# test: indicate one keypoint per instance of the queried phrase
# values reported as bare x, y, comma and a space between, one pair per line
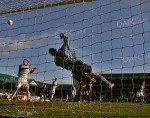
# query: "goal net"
111, 36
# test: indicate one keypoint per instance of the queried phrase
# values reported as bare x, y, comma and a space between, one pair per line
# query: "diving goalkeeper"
80, 70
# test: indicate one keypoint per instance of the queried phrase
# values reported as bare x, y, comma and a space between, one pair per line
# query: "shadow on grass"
7, 116
7, 104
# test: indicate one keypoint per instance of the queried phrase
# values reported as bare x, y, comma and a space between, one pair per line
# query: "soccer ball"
10, 22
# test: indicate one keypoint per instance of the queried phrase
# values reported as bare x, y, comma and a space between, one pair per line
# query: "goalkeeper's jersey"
64, 58
23, 73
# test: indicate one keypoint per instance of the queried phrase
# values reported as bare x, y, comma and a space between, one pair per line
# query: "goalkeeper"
82, 72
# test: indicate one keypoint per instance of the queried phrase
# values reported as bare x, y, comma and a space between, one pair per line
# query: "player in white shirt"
53, 89
24, 71
142, 90
141, 94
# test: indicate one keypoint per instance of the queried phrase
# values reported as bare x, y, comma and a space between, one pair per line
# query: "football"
10, 22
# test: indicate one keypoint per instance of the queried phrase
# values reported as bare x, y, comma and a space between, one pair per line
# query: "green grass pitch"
58, 109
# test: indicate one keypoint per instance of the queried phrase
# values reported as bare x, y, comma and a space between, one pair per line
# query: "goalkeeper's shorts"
80, 67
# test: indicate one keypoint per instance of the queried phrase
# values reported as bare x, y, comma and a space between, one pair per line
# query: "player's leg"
94, 74
52, 96
88, 96
52, 93
84, 91
45, 94
81, 94
142, 96
16, 90
80, 68
76, 89
26, 87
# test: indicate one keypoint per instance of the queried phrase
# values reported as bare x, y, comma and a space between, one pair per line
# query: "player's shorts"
139, 94
22, 82
81, 70
142, 93
53, 90
80, 66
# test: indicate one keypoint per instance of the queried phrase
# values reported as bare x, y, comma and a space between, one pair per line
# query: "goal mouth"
74, 58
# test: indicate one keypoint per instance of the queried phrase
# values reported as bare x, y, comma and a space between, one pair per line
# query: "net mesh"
112, 36
19, 5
